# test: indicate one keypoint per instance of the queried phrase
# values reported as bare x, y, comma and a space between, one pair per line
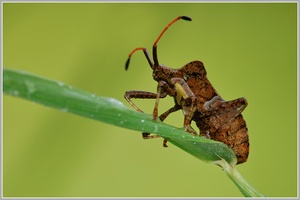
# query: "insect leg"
160, 94
138, 95
188, 101
214, 102
162, 117
155, 110
230, 108
143, 95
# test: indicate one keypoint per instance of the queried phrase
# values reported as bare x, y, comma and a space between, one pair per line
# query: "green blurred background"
249, 50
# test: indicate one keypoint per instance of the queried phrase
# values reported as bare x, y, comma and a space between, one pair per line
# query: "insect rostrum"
193, 93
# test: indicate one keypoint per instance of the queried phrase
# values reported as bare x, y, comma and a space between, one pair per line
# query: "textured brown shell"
224, 123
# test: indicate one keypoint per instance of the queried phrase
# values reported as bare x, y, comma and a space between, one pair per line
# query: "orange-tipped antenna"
172, 22
146, 54
161, 34
154, 45
128, 60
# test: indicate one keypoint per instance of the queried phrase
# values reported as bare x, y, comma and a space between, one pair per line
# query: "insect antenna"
161, 34
154, 45
146, 54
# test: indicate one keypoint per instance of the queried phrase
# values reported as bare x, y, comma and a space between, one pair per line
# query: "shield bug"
193, 93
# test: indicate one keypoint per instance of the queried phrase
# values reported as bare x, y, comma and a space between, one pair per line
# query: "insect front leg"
160, 94
145, 95
188, 101
138, 95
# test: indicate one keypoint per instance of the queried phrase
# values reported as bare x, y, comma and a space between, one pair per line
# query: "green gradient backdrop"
249, 50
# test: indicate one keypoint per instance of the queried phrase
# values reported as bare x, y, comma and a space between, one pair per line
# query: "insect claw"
186, 18
145, 135
190, 130
165, 143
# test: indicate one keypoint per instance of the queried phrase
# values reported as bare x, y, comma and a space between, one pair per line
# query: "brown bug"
216, 118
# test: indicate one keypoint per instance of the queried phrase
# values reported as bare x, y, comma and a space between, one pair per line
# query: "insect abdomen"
233, 133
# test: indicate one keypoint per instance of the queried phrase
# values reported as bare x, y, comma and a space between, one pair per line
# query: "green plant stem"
69, 99
242, 184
